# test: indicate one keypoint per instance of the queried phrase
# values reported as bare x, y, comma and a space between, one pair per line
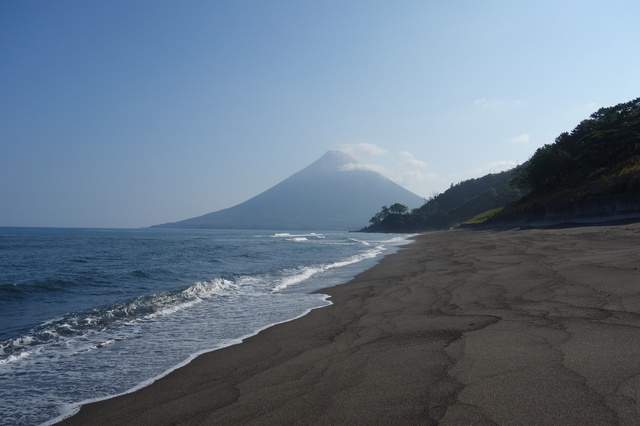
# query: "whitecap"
14, 358
301, 274
292, 237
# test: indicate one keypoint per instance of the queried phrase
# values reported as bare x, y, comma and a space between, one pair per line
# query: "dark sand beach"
518, 327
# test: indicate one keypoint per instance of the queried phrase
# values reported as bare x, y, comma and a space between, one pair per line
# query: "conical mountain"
329, 194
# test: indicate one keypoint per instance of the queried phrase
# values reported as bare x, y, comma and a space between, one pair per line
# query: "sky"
126, 114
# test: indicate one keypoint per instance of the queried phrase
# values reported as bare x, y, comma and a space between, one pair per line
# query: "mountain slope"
329, 194
457, 204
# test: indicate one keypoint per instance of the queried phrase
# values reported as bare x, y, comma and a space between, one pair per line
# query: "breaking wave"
63, 329
303, 273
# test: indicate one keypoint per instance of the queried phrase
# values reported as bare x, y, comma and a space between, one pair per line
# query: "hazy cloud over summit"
363, 149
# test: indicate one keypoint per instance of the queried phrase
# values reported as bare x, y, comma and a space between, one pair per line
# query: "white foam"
304, 273
353, 240
288, 235
14, 358
193, 295
300, 275
162, 318
68, 410
172, 309
73, 331
216, 286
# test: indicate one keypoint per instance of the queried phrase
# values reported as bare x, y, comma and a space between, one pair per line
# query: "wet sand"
512, 327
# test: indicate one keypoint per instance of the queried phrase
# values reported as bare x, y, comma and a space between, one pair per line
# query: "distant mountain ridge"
329, 194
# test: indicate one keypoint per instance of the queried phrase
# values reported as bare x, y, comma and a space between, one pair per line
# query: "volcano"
330, 194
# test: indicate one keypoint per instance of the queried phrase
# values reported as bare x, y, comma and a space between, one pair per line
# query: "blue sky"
133, 113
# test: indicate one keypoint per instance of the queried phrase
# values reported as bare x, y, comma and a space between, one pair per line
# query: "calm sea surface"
90, 313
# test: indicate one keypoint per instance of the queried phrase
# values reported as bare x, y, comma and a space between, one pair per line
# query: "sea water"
90, 313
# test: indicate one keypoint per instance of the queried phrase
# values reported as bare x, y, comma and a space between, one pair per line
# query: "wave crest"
303, 273
85, 323
306, 236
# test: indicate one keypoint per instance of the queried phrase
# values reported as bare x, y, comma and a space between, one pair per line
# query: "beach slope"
460, 327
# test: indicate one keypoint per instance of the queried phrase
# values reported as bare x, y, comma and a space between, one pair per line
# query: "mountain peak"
326, 195
333, 159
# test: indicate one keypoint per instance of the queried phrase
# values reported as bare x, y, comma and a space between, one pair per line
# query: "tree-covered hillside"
598, 160
457, 204
604, 146
600, 157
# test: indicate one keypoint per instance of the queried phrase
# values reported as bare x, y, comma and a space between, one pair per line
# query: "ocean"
90, 313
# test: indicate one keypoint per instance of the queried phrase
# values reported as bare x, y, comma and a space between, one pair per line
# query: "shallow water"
89, 313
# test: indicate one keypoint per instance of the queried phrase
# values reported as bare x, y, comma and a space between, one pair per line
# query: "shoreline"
348, 265
529, 326
74, 408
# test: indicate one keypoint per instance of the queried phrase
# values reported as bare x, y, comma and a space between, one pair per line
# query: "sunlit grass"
483, 217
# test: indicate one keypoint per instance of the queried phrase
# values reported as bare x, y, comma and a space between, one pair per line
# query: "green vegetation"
483, 217
601, 148
599, 158
459, 203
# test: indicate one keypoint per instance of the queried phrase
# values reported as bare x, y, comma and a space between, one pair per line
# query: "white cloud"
400, 168
371, 167
407, 159
522, 139
363, 148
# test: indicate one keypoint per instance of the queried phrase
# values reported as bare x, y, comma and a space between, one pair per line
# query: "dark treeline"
458, 203
600, 157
